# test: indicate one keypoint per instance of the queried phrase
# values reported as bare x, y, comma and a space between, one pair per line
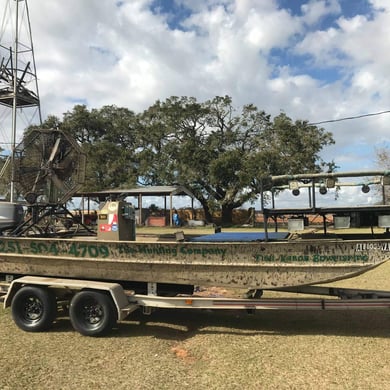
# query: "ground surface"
209, 350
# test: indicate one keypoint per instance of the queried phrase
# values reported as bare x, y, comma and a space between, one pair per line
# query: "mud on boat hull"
242, 265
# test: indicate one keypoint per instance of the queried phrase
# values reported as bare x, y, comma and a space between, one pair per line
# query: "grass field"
209, 350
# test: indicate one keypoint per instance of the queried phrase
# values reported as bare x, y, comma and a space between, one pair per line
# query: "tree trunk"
207, 214
227, 214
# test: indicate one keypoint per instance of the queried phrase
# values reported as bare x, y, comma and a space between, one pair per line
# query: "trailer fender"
114, 290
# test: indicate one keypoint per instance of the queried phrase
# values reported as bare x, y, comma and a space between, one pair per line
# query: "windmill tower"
19, 95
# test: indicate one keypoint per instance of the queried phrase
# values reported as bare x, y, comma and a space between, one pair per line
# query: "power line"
351, 117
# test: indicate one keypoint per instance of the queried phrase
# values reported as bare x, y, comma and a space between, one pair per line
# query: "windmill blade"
54, 150
53, 189
59, 184
64, 190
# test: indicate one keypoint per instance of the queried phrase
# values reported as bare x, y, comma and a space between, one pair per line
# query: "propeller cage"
49, 167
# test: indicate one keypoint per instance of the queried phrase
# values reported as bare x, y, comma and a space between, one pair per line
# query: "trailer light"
365, 188
188, 301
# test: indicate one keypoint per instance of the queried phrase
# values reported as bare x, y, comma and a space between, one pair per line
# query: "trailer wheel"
92, 313
34, 308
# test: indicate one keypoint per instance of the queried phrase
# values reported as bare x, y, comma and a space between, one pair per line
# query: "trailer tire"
92, 313
34, 308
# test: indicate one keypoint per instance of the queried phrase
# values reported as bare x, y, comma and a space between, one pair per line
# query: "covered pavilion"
167, 192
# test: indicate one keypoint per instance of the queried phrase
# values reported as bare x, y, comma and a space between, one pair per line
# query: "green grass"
174, 349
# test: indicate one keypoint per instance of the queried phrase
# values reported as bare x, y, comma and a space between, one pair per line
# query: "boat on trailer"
256, 260
92, 277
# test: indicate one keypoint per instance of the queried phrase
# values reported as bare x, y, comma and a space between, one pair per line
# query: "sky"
321, 60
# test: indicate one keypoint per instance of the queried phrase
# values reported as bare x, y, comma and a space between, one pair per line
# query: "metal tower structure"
19, 93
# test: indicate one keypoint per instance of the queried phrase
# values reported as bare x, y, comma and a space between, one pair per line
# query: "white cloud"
315, 10
380, 4
253, 50
364, 80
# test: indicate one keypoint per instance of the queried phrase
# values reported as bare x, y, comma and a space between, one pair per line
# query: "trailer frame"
95, 307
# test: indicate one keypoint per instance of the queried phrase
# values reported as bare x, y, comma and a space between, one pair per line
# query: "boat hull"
254, 265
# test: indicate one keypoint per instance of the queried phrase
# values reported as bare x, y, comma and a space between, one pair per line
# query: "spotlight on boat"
365, 188
294, 187
330, 182
323, 190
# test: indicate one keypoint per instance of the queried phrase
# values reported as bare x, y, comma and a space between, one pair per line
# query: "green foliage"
221, 154
287, 147
218, 152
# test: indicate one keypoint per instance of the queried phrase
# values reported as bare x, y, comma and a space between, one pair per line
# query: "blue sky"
314, 60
